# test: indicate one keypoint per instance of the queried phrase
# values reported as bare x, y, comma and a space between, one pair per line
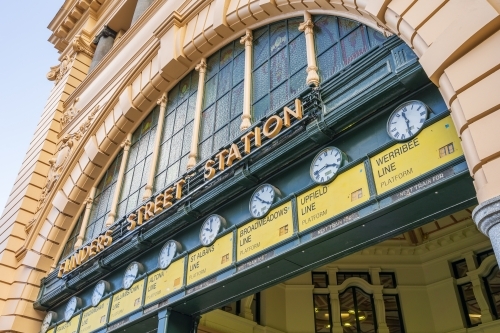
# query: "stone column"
335, 308
312, 70
378, 299
86, 217
487, 218
193, 155
246, 117
140, 8
246, 307
119, 181
162, 102
104, 41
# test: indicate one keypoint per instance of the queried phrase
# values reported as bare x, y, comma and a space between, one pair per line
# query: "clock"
262, 200
99, 290
73, 303
131, 273
210, 228
167, 253
49, 318
325, 165
407, 120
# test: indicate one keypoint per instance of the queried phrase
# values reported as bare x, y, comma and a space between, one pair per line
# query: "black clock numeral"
422, 113
322, 179
392, 130
396, 135
403, 136
398, 115
422, 120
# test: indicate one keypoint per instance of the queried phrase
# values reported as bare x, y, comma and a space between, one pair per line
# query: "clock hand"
326, 166
407, 122
263, 201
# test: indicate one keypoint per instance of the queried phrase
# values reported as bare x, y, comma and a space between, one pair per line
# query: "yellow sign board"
260, 234
434, 146
210, 259
95, 317
348, 190
127, 301
70, 326
51, 330
165, 281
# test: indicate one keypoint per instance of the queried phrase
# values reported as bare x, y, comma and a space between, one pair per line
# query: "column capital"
247, 39
162, 101
307, 26
126, 144
487, 214
105, 32
202, 66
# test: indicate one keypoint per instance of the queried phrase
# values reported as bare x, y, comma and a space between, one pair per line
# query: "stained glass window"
279, 66
357, 311
223, 100
70, 244
340, 41
102, 200
177, 131
138, 164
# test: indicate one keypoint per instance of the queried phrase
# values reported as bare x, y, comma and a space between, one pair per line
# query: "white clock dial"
73, 303
130, 275
262, 200
407, 120
99, 290
47, 321
325, 165
210, 228
167, 253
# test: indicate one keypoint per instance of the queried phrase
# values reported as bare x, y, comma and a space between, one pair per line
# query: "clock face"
47, 321
167, 253
71, 308
407, 120
325, 165
99, 290
261, 200
130, 275
210, 228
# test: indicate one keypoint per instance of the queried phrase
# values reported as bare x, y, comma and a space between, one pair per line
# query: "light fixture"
351, 311
475, 315
326, 314
316, 310
328, 326
347, 324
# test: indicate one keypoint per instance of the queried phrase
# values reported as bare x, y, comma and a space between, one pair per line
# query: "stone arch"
448, 38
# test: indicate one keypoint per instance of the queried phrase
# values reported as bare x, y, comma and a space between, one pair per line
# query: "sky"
25, 59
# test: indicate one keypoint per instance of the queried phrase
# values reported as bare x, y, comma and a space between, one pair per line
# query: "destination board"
210, 259
95, 317
260, 234
70, 326
433, 147
51, 330
165, 281
127, 301
348, 190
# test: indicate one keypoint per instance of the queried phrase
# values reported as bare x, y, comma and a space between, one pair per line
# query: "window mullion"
312, 69
193, 154
162, 102
116, 195
86, 218
246, 118
335, 306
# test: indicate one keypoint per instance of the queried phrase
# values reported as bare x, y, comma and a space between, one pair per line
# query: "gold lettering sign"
165, 281
260, 234
69, 326
210, 259
348, 190
434, 146
86, 252
127, 301
226, 158
95, 317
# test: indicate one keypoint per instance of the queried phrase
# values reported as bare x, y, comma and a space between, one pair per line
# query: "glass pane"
298, 82
221, 138
238, 47
172, 99
392, 315
164, 154
191, 108
260, 108
376, 38
188, 134
222, 116
212, 65
325, 33
260, 49
293, 27
387, 280
210, 91
365, 311
184, 88
226, 55
175, 151
180, 117
278, 36
238, 68
460, 268
354, 45
207, 123
172, 173
298, 57
320, 280
224, 81
279, 68
260, 82
347, 310
330, 62
195, 76
321, 313
279, 96
345, 26
237, 101
234, 129
205, 149
168, 127
493, 286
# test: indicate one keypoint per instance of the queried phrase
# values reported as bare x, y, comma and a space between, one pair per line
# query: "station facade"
261, 166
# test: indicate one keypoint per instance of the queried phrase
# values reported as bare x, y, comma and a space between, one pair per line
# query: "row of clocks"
404, 123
